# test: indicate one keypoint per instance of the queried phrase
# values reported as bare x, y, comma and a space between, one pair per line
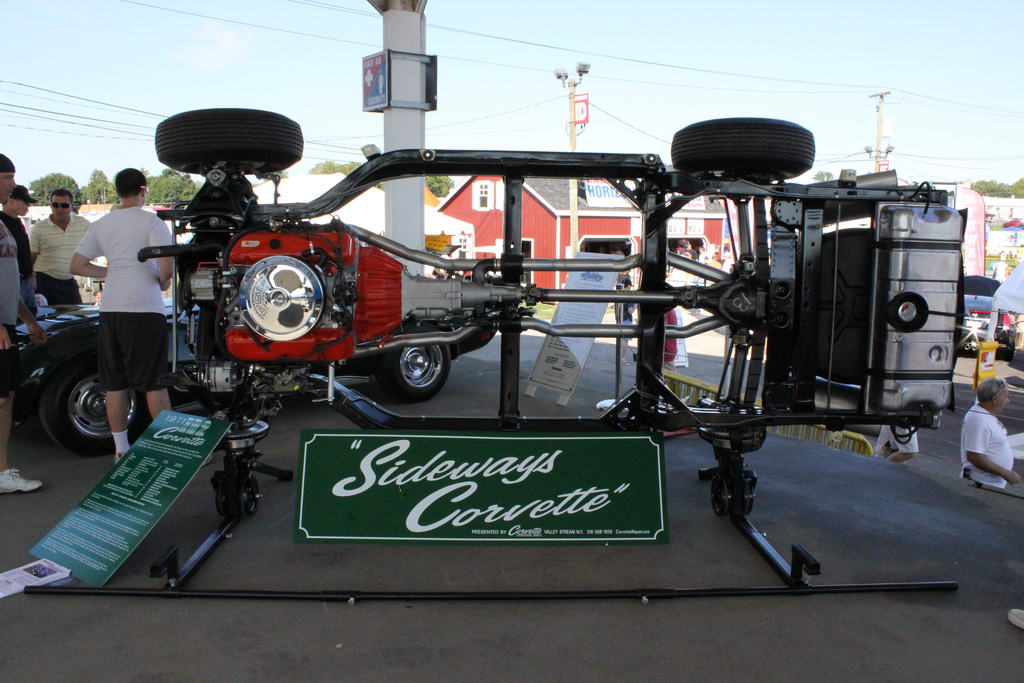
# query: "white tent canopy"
1010, 295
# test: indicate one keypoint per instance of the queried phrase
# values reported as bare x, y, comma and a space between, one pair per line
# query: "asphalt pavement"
865, 519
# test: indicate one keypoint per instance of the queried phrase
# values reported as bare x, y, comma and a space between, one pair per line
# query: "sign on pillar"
581, 108
376, 91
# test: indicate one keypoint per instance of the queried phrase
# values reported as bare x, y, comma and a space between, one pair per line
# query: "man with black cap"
13, 210
11, 308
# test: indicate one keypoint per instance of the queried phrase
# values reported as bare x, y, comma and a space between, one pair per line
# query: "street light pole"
574, 197
582, 68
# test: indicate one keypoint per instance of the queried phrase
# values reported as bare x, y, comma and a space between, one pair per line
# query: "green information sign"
490, 487
96, 537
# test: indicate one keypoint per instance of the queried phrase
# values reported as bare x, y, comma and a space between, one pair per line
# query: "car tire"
73, 412
253, 140
414, 374
743, 147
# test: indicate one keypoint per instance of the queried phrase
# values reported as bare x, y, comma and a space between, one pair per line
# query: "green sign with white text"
471, 487
96, 537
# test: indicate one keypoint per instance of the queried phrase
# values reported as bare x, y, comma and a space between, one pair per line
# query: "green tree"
991, 188
99, 189
42, 187
171, 186
440, 185
822, 176
1018, 188
325, 167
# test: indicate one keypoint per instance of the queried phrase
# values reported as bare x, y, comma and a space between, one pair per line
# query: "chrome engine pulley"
281, 298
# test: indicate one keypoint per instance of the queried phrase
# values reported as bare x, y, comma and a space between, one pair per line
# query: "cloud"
214, 47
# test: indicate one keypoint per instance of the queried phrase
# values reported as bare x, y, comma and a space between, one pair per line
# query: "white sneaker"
1016, 617
11, 481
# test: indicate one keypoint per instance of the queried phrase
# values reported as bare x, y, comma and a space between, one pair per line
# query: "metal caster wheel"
749, 482
220, 496
720, 497
250, 495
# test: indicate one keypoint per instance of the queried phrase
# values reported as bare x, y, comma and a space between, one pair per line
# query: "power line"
484, 62
251, 25
498, 132
500, 113
961, 166
626, 123
1011, 158
336, 8
530, 43
961, 111
67, 132
330, 6
77, 116
71, 123
491, 36
448, 125
84, 99
104, 108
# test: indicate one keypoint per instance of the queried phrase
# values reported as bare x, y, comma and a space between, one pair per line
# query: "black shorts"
9, 365
132, 351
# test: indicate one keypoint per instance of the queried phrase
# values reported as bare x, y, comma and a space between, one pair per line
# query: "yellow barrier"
985, 365
691, 390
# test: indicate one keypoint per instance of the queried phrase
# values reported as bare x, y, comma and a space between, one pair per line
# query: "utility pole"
879, 124
582, 68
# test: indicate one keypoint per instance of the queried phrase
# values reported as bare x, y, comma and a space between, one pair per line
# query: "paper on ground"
32, 574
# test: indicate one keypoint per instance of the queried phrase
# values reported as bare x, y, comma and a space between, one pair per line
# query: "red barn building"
606, 220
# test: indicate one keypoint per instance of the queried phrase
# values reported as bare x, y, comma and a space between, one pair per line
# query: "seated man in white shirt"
985, 452
896, 444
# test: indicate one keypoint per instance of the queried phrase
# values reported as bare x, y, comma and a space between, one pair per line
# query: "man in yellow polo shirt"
52, 242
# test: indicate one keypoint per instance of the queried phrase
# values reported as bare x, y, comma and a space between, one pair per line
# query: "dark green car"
60, 379
60, 383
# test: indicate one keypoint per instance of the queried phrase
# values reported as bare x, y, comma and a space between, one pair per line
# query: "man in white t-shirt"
896, 444
985, 452
133, 325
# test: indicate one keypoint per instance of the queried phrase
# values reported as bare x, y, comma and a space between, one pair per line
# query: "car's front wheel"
73, 410
416, 373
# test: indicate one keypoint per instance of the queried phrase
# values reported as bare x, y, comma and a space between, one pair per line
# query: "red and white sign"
882, 164
375, 82
581, 108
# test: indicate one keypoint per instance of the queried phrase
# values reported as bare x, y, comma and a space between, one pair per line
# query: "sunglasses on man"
60, 205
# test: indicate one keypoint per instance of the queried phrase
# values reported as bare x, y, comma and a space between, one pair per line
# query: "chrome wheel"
87, 408
420, 366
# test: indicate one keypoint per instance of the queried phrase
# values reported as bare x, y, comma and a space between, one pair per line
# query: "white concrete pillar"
404, 30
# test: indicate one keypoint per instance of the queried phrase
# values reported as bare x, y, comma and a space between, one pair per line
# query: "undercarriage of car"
826, 326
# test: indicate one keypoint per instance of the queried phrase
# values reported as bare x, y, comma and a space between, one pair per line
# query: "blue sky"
956, 108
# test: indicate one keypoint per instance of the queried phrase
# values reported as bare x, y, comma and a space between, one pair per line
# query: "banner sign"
975, 233
471, 487
99, 534
601, 194
560, 360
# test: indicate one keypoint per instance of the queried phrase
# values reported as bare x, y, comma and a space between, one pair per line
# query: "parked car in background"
60, 379
978, 293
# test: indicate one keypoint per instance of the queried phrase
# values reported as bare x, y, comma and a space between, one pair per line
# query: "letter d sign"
581, 108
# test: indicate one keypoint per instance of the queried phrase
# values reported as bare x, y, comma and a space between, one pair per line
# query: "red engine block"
378, 308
